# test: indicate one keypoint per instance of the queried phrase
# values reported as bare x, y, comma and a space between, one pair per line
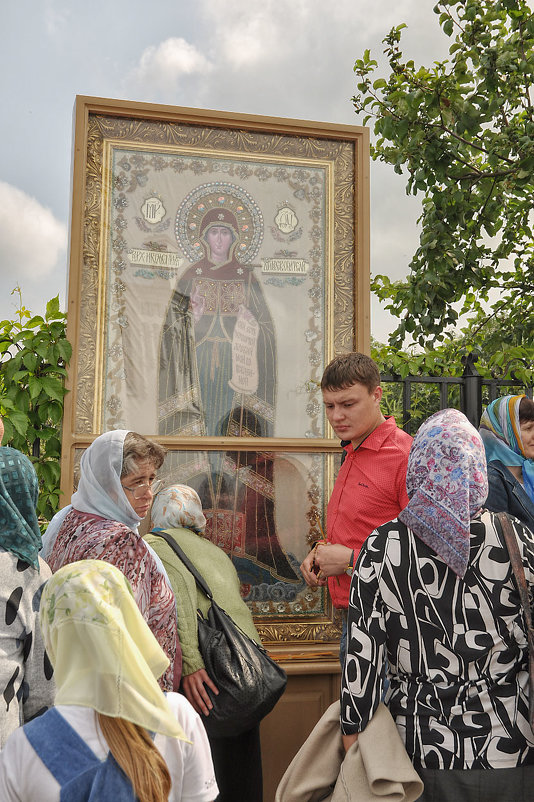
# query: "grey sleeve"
38, 686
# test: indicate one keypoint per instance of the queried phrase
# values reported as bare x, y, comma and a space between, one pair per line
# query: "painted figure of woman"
218, 377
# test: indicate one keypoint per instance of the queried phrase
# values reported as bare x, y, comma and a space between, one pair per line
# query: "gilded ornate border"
98, 122
105, 128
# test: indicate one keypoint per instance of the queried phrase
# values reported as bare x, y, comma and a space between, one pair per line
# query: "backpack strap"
504, 525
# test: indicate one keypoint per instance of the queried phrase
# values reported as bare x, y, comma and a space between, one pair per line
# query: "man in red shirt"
370, 488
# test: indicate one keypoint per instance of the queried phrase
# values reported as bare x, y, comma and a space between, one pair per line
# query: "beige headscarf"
104, 655
178, 505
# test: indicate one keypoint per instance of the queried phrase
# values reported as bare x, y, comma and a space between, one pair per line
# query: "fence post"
472, 389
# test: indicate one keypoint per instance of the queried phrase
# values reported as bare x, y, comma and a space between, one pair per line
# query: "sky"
263, 57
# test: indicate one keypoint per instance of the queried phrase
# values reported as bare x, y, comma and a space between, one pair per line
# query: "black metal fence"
413, 398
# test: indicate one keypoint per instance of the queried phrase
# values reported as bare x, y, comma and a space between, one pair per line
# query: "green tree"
449, 359
34, 353
463, 131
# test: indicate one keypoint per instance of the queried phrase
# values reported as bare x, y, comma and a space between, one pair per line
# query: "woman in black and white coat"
434, 599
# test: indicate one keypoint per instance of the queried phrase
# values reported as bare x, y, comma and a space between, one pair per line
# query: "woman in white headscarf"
113, 734
115, 491
434, 596
178, 511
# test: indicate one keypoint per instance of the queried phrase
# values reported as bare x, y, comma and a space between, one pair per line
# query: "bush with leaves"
514, 364
34, 353
463, 131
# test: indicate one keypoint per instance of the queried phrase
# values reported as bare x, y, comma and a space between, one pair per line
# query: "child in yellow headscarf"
113, 733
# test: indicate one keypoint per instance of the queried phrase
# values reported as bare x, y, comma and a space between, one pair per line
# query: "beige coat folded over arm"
376, 767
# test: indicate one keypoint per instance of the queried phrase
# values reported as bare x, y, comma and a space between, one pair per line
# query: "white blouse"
24, 777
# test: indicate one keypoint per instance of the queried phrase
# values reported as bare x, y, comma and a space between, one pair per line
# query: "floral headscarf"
176, 506
501, 433
103, 652
19, 490
447, 484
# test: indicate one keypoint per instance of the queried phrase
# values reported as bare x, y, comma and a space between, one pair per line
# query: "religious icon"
217, 263
217, 374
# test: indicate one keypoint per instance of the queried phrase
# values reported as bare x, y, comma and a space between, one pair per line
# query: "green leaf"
30, 361
53, 387
18, 420
35, 387
65, 350
52, 308
33, 322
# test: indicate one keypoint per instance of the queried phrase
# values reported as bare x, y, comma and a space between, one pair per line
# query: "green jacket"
218, 571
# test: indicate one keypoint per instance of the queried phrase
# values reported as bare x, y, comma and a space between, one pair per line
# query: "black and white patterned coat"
455, 649
26, 684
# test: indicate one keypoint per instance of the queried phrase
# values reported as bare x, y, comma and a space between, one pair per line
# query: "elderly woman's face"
138, 487
527, 436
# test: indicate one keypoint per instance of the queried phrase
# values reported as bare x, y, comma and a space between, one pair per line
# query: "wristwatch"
350, 567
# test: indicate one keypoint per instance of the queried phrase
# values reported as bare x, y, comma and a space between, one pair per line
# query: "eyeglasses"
140, 490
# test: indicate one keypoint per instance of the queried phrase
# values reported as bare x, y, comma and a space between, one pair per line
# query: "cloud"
56, 16
244, 40
163, 65
308, 34
32, 240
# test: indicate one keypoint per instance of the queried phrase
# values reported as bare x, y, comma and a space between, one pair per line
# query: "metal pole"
472, 389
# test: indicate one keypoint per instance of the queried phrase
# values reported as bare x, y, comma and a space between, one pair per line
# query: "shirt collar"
375, 440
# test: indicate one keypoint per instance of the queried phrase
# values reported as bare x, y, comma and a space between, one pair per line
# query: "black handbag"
510, 539
249, 682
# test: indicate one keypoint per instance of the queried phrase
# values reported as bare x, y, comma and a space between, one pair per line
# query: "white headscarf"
100, 491
104, 655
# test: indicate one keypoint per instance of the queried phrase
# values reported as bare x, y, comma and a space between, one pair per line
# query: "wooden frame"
153, 186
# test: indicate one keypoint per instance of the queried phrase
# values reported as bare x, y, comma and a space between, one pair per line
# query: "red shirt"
370, 490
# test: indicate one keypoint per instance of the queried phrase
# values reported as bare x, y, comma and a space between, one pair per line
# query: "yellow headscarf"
103, 652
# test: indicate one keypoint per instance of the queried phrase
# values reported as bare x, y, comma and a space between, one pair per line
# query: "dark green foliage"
34, 353
463, 132
448, 359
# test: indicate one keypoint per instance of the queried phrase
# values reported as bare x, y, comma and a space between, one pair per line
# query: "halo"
219, 194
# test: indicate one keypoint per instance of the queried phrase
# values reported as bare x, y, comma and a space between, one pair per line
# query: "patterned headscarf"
501, 433
447, 484
103, 652
176, 506
19, 489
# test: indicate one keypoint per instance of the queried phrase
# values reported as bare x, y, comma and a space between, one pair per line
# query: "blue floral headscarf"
501, 434
447, 483
19, 489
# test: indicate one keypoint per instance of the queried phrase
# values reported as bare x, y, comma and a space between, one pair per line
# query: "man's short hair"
348, 369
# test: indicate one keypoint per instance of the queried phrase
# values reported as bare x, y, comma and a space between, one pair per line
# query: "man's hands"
310, 570
324, 560
196, 693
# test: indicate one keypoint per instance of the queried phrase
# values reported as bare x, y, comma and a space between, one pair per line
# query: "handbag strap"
199, 579
518, 568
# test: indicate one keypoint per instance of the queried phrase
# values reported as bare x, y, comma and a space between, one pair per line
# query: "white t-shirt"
25, 778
